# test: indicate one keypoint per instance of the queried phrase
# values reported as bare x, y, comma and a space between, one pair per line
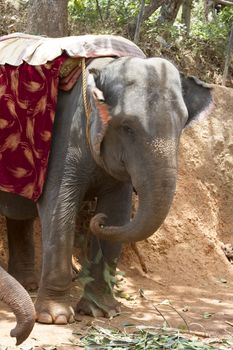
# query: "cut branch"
148, 11
169, 11
224, 2
186, 14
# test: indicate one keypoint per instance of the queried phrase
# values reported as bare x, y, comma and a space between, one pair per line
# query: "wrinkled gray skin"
149, 104
17, 298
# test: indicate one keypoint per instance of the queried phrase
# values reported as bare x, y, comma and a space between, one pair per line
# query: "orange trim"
103, 111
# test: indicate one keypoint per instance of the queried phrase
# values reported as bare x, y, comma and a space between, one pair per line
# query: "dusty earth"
184, 260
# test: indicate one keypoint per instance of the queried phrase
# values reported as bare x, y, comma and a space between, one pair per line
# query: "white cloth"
17, 48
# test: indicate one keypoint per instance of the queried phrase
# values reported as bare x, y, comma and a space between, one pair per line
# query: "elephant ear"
100, 117
197, 97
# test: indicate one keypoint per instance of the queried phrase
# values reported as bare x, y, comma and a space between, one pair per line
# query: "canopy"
36, 50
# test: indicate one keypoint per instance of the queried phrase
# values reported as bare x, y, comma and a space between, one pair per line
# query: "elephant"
124, 138
17, 298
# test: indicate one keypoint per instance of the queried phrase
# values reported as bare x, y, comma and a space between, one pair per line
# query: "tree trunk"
208, 8
186, 14
228, 57
169, 11
99, 11
139, 21
108, 9
48, 17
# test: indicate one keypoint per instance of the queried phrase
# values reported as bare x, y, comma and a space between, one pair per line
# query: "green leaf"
228, 341
85, 280
98, 257
128, 324
147, 338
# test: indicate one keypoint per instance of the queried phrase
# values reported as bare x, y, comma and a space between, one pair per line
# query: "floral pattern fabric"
28, 96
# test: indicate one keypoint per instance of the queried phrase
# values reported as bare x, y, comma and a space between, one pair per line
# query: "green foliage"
214, 30
145, 338
82, 10
87, 10
117, 12
205, 44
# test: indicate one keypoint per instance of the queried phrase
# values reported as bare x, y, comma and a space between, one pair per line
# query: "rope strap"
87, 106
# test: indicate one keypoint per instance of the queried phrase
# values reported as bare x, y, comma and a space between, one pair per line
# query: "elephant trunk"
155, 189
17, 298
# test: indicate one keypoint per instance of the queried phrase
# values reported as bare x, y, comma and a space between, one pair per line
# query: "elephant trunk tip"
23, 329
97, 224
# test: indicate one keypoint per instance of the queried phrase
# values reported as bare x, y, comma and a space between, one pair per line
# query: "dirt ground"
184, 260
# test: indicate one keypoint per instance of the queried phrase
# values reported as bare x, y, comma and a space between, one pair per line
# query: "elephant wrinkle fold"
32, 69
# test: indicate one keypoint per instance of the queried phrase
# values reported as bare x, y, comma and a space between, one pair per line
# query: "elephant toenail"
61, 319
71, 319
44, 317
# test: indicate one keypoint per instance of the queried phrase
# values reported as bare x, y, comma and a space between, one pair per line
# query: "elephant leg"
53, 303
100, 266
58, 225
21, 262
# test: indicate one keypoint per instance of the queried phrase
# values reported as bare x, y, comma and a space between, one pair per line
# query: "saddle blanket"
32, 68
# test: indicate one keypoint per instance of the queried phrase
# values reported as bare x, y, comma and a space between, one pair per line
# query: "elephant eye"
127, 129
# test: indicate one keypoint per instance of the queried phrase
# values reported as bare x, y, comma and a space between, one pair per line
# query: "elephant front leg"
53, 304
98, 274
21, 262
98, 277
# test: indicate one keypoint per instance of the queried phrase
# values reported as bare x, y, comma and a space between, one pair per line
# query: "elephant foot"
53, 310
27, 279
106, 306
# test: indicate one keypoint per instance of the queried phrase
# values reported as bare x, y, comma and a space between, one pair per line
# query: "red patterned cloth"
28, 96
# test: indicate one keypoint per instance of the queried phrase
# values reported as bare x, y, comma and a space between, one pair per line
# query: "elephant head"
16, 297
139, 108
